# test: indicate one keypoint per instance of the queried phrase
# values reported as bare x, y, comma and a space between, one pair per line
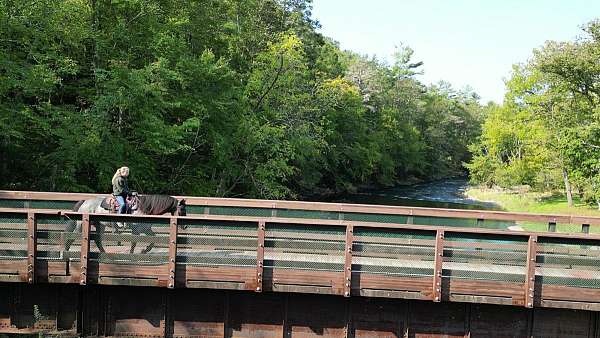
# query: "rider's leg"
122, 205
122, 208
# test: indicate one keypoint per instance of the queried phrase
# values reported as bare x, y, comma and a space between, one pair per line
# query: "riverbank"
534, 202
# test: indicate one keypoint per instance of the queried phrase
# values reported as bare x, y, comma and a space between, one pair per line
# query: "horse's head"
181, 211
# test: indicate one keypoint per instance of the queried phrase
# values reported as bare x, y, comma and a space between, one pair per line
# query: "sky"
464, 42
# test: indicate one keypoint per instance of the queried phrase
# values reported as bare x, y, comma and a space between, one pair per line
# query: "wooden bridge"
256, 268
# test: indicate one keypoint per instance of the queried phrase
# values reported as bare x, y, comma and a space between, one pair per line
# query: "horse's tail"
78, 205
71, 225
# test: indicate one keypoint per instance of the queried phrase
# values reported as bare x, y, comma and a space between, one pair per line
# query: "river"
448, 193
437, 194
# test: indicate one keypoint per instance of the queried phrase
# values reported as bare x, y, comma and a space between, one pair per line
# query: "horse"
140, 205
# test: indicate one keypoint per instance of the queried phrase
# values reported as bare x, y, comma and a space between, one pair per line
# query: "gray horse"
141, 205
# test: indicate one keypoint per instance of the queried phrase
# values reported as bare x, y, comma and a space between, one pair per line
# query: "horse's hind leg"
72, 227
98, 239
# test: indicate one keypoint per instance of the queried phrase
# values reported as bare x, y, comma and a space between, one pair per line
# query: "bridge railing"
329, 211
284, 254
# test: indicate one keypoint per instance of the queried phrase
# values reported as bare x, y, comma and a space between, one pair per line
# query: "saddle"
111, 204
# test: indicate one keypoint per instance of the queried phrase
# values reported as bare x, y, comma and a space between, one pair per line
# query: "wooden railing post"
437, 267
85, 248
260, 256
348, 261
31, 246
530, 276
172, 252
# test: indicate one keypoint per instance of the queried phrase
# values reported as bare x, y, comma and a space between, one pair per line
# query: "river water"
449, 194
436, 194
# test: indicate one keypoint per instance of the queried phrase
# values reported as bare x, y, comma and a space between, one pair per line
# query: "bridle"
180, 207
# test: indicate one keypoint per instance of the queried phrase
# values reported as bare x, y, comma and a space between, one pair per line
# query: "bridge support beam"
157, 312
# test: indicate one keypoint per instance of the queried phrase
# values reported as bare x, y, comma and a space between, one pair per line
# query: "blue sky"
464, 42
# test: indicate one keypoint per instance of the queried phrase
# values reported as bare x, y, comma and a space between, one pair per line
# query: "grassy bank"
535, 202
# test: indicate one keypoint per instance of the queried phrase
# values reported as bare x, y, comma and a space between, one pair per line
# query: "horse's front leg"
149, 232
134, 232
116, 231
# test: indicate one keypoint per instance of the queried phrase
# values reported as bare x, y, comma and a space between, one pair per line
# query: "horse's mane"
157, 204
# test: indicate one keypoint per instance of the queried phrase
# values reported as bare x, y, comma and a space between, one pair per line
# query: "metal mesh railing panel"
55, 234
238, 211
312, 214
217, 244
382, 218
149, 237
304, 247
13, 237
567, 263
483, 257
36, 204
195, 209
404, 253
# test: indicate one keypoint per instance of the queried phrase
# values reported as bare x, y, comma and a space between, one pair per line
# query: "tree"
557, 90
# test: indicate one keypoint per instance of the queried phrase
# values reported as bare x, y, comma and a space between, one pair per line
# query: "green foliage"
546, 133
217, 98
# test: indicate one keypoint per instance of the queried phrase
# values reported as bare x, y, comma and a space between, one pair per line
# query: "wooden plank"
14, 267
333, 207
85, 248
44, 196
31, 246
303, 281
172, 252
437, 270
570, 305
260, 256
191, 273
392, 286
569, 294
347, 282
486, 288
530, 277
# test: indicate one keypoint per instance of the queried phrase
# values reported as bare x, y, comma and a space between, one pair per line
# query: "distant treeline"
215, 98
546, 134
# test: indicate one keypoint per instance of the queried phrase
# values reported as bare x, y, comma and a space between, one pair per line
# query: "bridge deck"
346, 258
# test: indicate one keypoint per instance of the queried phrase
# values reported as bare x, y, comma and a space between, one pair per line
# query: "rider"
120, 188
